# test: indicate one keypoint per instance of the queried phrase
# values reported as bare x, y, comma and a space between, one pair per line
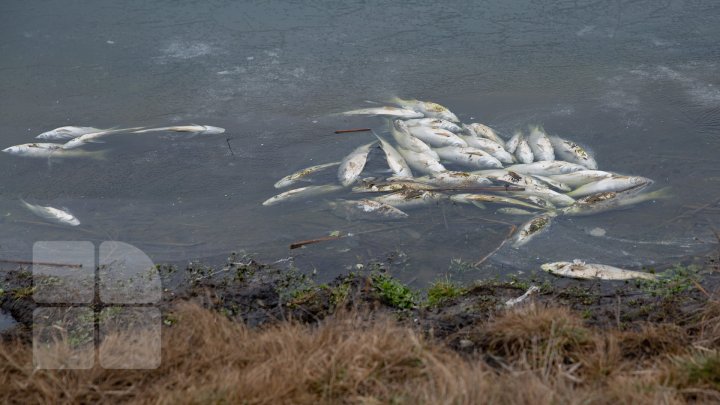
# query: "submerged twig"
341, 236
345, 131
510, 233
30, 262
229, 147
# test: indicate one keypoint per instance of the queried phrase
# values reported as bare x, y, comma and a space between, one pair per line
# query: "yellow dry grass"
531, 355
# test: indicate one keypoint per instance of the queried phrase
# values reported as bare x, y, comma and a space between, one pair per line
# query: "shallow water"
637, 82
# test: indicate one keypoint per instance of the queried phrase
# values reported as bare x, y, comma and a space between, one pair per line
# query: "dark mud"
259, 294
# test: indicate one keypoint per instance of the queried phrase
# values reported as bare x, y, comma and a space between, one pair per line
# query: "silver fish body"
302, 174
468, 156
427, 108
489, 146
65, 133
558, 185
195, 129
545, 193
572, 152
353, 164
302, 192
607, 201
546, 168
421, 162
513, 211
616, 183
52, 214
590, 271
452, 179
512, 143
405, 140
395, 161
51, 150
469, 198
582, 177
93, 137
410, 198
531, 229
392, 112
366, 209
436, 137
485, 131
540, 145
523, 153
434, 123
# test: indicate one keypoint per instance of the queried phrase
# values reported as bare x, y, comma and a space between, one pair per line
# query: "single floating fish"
51, 150
489, 146
545, 168
531, 229
394, 159
421, 162
366, 209
353, 164
589, 271
523, 153
196, 129
301, 174
393, 112
606, 201
617, 183
489, 198
410, 198
434, 123
427, 108
93, 137
572, 152
512, 143
64, 133
52, 214
453, 179
485, 131
405, 140
580, 178
302, 192
467, 156
540, 144
394, 184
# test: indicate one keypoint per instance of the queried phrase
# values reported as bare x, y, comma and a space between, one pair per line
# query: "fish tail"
663, 193
100, 155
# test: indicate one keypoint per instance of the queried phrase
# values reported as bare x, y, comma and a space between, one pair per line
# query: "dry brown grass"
535, 355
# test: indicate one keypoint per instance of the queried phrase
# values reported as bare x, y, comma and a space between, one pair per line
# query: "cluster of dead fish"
69, 141
434, 157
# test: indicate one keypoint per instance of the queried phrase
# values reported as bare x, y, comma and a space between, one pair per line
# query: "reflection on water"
637, 82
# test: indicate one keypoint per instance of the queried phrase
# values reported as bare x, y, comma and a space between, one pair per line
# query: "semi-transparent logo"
88, 312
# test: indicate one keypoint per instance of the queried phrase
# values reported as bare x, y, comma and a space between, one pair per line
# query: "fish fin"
100, 155
660, 194
479, 205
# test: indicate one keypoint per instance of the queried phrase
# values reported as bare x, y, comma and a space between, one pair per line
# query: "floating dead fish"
512, 143
366, 209
615, 183
468, 156
397, 184
606, 201
582, 177
545, 168
394, 159
410, 198
302, 192
436, 137
421, 162
589, 271
392, 112
513, 211
353, 164
451, 179
489, 198
427, 108
523, 153
489, 146
405, 140
485, 131
531, 229
540, 144
52, 150
533, 290
193, 128
434, 123
572, 152
60, 216
93, 137
557, 185
65, 133
302, 174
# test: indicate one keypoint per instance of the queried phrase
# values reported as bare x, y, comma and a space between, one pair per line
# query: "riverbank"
250, 332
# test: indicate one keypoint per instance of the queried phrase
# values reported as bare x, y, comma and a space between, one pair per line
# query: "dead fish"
410, 198
302, 192
194, 128
393, 184
405, 140
489, 198
421, 162
485, 131
93, 137
428, 108
436, 137
512, 143
453, 179
51, 150
301, 174
540, 144
582, 177
557, 185
366, 209
489, 146
468, 156
572, 152
63, 133
434, 123
513, 211
532, 228
610, 200
615, 183
353, 164
515, 301
523, 153
545, 193
545, 168
392, 112
394, 159
60, 216
589, 271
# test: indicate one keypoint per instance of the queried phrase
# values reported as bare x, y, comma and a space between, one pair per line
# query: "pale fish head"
210, 130
554, 267
12, 149
72, 221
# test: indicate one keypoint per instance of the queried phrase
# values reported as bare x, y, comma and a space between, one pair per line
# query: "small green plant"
698, 370
441, 291
23, 292
672, 282
393, 292
340, 294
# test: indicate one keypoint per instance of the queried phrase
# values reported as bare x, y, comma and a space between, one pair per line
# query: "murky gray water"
635, 81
